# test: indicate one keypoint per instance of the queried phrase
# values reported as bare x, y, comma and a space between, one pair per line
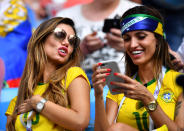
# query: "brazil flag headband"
141, 22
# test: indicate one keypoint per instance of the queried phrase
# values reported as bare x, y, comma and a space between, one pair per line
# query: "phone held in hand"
111, 23
114, 69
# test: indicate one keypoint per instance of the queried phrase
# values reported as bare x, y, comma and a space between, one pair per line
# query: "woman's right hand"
99, 78
91, 43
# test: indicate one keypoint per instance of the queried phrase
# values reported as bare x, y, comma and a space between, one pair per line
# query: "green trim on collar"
148, 84
41, 83
167, 70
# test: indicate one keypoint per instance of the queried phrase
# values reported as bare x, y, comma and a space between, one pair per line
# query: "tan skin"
101, 9
78, 91
179, 64
143, 42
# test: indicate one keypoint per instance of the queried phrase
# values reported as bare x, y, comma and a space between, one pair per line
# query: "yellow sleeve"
112, 97
11, 106
162, 128
73, 73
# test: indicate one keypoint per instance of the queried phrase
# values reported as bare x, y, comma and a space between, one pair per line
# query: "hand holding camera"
113, 33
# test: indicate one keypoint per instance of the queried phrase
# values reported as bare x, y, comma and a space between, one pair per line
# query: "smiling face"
140, 46
58, 50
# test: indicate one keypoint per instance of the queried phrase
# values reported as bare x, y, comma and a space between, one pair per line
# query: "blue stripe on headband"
141, 22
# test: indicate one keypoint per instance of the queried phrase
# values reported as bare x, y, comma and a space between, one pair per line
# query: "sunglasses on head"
61, 35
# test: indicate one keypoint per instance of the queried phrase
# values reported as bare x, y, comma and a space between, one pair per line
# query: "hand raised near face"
91, 43
115, 40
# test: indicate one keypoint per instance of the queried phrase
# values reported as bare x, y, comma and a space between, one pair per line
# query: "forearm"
101, 122
160, 118
65, 117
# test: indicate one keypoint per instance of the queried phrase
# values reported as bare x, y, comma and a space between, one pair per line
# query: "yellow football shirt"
133, 114
39, 122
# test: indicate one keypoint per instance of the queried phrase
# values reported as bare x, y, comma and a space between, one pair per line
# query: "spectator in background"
177, 59
180, 54
173, 11
15, 31
54, 92
42, 10
181, 50
96, 45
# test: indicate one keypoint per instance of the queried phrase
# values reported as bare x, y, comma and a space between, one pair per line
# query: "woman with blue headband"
149, 98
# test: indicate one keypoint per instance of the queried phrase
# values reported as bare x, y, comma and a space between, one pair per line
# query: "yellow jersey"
39, 122
133, 114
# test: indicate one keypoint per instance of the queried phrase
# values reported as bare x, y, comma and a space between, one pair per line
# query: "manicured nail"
108, 69
99, 64
104, 79
107, 74
111, 83
114, 90
94, 33
115, 74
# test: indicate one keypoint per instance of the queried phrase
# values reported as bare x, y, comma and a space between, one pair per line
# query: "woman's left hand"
29, 104
133, 89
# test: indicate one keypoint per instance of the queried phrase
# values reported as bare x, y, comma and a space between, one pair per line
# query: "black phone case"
110, 23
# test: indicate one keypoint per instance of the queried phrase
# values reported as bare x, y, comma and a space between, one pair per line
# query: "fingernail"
114, 90
111, 83
115, 74
107, 74
104, 79
108, 69
94, 33
99, 64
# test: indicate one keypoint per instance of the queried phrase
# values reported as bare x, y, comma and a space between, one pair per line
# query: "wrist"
40, 105
152, 106
98, 95
148, 99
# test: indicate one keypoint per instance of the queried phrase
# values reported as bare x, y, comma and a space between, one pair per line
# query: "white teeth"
62, 51
136, 52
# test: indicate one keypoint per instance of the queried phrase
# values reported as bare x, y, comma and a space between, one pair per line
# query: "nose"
65, 42
133, 42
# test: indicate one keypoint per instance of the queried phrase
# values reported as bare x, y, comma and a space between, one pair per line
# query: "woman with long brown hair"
149, 97
54, 91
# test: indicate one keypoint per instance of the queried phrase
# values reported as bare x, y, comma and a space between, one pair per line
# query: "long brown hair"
161, 55
35, 64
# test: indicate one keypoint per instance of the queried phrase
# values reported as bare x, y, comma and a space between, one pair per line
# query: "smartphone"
114, 68
110, 23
